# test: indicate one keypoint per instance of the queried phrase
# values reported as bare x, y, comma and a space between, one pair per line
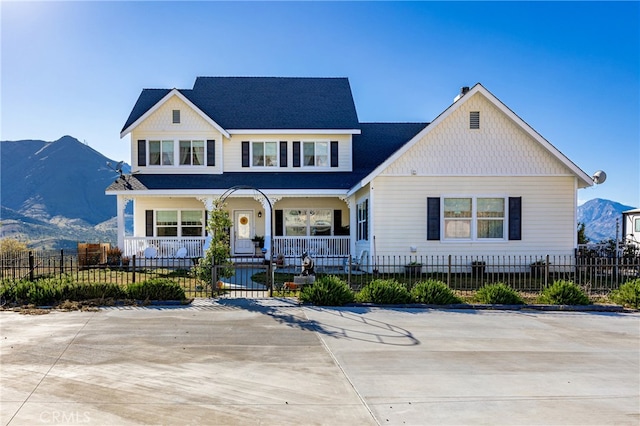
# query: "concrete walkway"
272, 362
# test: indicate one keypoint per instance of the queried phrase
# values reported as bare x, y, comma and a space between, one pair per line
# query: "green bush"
384, 292
434, 292
563, 292
327, 291
498, 294
90, 291
628, 294
155, 289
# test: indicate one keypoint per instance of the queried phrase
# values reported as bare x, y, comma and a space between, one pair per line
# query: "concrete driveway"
271, 362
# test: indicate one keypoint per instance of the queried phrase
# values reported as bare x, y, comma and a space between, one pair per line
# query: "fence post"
32, 264
133, 268
449, 273
61, 262
546, 272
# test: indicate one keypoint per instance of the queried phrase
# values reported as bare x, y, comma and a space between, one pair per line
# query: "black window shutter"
337, 222
206, 222
296, 154
283, 153
245, 154
515, 218
211, 152
279, 231
433, 218
334, 153
142, 152
148, 223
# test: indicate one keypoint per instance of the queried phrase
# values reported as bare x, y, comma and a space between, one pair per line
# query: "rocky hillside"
599, 217
53, 193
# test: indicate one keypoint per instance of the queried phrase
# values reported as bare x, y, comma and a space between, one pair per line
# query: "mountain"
53, 193
599, 217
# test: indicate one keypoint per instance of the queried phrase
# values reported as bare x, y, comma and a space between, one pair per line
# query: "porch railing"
165, 247
317, 247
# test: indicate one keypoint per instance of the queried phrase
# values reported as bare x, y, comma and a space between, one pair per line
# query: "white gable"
498, 148
504, 145
160, 120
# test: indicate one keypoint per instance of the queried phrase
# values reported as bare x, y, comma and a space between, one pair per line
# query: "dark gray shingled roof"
265, 102
371, 148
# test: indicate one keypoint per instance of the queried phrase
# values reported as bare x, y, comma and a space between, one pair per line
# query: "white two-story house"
477, 180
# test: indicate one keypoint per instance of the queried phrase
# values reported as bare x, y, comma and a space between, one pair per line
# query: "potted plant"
114, 255
538, 267
413, 268
478, 268
258, 241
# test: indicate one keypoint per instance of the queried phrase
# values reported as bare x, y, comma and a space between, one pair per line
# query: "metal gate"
242, 280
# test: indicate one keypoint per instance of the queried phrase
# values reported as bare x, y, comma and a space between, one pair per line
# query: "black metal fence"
251, 277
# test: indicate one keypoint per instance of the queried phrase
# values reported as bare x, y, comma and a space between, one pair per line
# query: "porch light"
259, 214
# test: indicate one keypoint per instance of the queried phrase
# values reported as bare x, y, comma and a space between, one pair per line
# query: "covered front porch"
333, 250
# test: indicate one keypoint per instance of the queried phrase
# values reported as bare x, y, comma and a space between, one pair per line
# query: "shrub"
628, 294
434, 292
155, 289
384, 292
563, 292
12, 247
498, 294
89, 291
327, 291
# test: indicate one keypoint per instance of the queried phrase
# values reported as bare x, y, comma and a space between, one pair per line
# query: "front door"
243, 226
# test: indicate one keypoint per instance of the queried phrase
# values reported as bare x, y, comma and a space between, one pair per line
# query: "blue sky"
569, 69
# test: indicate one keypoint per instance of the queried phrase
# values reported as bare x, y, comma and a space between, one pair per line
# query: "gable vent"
176, 116
474, 120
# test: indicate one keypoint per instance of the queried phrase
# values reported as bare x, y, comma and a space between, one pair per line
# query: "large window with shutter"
474, 218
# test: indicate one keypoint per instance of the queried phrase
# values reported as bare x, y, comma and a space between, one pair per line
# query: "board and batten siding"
233, 152
548, 214
159, 126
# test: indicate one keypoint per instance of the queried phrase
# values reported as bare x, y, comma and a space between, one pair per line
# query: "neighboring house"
477, 180
631, 226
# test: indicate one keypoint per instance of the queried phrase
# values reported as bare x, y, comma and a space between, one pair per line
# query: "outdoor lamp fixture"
259, 214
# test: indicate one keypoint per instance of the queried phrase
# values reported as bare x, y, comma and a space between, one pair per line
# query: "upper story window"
161, 153
192, 153
474, 218
264, 154
175, 116
315, 154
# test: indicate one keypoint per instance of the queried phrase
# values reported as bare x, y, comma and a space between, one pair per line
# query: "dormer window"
175, 116
474, 120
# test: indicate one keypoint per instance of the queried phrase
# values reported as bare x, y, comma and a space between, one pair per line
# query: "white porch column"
267, 206
121, 205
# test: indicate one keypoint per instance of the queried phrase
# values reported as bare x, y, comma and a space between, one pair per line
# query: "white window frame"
162, 153
191, 141
179, 224
362, 220
277, 154
473, 233
307, 222
316, 158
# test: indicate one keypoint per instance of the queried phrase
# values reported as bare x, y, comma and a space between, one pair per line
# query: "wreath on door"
244, 220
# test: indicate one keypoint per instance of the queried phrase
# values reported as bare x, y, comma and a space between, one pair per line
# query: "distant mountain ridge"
53, 193
599, 217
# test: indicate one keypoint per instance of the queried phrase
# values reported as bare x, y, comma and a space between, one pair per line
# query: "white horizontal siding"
400, 214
